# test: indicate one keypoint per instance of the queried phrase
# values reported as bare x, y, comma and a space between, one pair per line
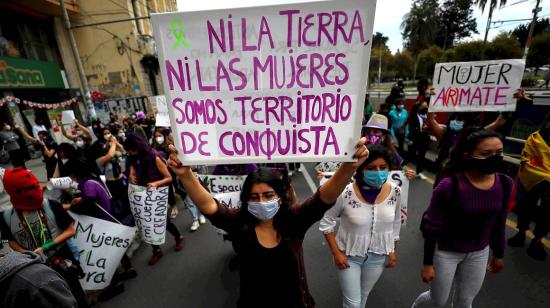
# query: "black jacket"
26, 282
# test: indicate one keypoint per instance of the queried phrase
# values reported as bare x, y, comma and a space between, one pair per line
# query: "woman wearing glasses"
269, 231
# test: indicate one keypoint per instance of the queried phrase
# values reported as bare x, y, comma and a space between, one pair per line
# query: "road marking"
510, 223
309, 180
513, 225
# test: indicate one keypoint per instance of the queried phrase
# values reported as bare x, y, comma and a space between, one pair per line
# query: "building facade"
33, 76
119, 58
37, 66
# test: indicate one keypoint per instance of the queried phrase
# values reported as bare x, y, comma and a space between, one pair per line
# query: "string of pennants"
16, 100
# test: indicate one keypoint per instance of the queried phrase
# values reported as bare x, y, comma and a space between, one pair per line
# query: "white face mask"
64, 160
160, 140
80, 143
107, 137
7, 127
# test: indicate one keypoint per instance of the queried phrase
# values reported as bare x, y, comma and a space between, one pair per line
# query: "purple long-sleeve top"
92, 191
474, 219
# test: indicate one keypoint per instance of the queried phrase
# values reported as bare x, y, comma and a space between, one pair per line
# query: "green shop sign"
16, 73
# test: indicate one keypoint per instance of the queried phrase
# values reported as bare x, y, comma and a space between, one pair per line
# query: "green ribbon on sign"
178, 30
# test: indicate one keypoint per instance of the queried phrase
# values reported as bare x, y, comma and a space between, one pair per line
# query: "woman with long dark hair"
466, 218
370, 220
269, 231
48, 147
146, 168
107, 154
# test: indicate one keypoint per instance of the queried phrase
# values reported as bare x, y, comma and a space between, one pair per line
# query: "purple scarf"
369, 193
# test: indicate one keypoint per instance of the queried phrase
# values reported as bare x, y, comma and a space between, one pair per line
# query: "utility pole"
488, 24
83, 82
531, 30
380, 64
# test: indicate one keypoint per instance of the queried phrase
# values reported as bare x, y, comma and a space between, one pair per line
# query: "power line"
512, 4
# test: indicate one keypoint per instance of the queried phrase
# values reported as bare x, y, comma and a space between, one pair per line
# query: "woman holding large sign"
269, 231
370, 220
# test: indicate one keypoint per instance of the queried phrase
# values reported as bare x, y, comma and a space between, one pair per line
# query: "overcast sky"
389, 14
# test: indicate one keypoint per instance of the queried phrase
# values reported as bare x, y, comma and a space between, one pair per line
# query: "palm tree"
492, 6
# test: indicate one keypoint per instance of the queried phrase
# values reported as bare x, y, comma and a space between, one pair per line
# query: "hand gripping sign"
276, 83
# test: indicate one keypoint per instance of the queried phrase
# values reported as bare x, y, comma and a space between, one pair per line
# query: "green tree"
378, 39
421, 26
504, 46
539, 54
427, 59
376, 54
522, 31
492, 6
403, 64
468, 51
457, 22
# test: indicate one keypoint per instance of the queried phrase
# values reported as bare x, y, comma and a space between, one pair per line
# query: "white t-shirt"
365, 227
36, 129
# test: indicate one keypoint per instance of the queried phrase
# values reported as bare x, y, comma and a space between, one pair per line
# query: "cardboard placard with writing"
219, 184
102, 245
476, 86
150, 208
280, 83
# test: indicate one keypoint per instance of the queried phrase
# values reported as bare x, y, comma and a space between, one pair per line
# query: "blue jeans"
192, 208
358, 280
466, 270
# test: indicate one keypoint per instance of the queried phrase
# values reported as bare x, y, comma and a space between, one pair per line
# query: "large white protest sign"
102, 245
218, 184
150, 208
397, 177
276, 83
162, 117
476, 86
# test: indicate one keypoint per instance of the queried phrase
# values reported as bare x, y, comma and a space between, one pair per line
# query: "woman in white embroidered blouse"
370, 220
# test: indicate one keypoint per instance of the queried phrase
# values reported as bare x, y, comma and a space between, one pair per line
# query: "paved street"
199, 277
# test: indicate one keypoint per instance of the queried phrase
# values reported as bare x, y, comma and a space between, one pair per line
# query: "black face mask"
423, 111
489, 165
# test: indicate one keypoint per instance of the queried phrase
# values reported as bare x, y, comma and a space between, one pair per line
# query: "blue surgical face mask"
265, 210
456, 126
375, 179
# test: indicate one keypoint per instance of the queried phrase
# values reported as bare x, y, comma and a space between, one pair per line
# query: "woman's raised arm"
335, 185
200, 196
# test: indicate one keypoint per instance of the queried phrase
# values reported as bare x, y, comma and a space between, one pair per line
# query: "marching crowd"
358, 208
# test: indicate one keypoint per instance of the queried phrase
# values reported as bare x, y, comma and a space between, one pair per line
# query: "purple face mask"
373, 139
